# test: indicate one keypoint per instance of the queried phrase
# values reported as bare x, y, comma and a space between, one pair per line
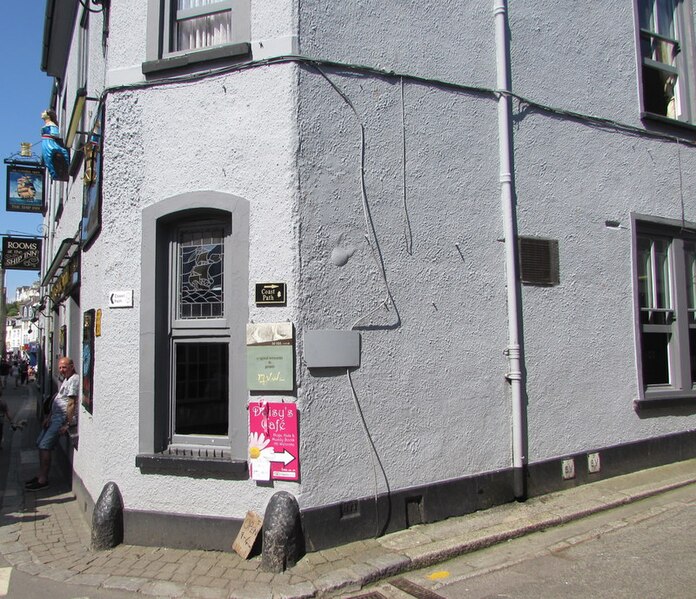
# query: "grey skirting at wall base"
83, 498
353, 520
180, 531
350, 521
545, 477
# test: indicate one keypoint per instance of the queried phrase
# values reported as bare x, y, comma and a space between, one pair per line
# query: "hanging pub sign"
92, 179
20, 253
25, 187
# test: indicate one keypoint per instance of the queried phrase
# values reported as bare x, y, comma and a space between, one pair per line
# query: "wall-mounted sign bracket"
81, 99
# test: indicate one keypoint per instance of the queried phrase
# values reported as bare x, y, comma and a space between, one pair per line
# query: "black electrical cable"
86, 7
356, 68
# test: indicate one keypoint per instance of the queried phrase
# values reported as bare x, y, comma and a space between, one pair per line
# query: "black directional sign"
270, 294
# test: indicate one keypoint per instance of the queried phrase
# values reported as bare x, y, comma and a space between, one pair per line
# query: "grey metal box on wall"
329, 348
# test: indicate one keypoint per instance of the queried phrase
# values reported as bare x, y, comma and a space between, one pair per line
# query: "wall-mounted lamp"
614, 224
37, 309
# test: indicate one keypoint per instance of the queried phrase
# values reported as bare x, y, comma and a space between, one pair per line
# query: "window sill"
180, 61
666, 400
660, 118
195, 467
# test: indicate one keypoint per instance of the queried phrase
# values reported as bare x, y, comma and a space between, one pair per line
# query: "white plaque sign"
121, 299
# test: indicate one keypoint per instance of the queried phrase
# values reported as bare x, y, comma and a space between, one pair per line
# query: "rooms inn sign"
21, 253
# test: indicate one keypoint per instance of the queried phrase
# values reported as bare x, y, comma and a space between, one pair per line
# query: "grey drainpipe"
507, 193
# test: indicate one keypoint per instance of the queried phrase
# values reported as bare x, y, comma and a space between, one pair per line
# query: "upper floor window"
181, 32
198, 24
667, 58
666, 294
83, 50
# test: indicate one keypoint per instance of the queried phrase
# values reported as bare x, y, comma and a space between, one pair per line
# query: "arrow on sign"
286, 457
121, 299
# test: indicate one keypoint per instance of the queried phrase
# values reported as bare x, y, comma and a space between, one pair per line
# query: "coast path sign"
273, 441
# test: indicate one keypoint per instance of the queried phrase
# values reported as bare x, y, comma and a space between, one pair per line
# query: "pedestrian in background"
4, 415
23, 372
15, 373
4, 371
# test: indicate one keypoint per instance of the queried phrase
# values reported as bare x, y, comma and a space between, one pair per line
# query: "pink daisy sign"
273, 441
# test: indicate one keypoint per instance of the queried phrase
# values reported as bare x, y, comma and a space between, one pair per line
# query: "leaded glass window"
200, 274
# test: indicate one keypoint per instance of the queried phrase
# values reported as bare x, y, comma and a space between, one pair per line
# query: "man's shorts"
48, 437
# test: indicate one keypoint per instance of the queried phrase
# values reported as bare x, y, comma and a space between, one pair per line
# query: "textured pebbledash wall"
425, 239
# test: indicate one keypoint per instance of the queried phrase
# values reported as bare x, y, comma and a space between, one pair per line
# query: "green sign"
270, 357
270, 368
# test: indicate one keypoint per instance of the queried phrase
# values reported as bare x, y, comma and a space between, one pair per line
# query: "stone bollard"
107, 519
282, 533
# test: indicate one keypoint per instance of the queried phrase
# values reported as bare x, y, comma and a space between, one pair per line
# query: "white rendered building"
480, 216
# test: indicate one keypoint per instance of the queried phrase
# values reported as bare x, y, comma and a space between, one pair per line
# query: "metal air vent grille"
539, 264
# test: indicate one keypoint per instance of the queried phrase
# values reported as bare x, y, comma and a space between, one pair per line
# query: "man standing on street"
4, 371
56, 423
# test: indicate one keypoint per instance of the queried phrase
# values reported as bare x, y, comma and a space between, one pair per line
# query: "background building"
480, 217
28, 293
21, 336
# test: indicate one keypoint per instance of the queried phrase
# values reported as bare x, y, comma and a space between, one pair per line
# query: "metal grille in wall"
539, 264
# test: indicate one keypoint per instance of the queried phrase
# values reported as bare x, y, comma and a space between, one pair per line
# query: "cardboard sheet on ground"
247, 534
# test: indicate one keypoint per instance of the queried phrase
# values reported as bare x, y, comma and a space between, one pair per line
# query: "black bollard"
282, 533
107, 519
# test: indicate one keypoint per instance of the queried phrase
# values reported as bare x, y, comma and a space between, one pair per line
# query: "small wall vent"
539, 261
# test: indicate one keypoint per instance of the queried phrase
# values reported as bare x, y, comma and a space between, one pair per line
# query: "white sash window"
201, 24
666, 43
196, 30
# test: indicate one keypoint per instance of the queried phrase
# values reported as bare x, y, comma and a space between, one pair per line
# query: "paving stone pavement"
45, 534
